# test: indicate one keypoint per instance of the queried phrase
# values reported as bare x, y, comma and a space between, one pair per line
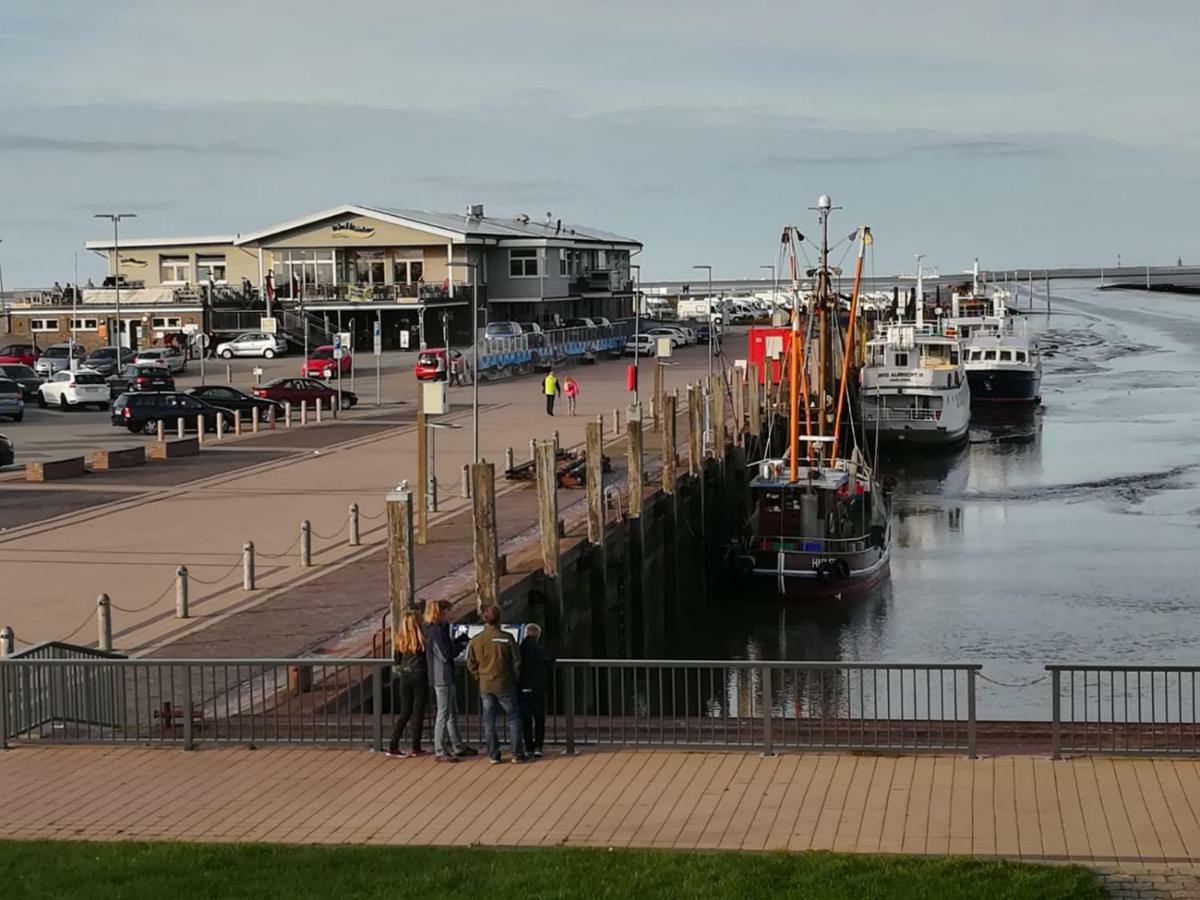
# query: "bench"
124, 458
54, 469
175, 448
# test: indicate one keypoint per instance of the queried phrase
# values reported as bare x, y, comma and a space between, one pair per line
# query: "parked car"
28, 379
676, 337
426, 368
105, 360
170, 357
641, 345
579, 323
321, 364
227, 397
689, 333
253, 343
20, 354
143, 411
135, 377
501, 330
8, 453
12, 404
297, 390
67, 389
58, 357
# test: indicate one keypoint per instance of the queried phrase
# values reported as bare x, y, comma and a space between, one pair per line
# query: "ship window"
1021, 356
901, 360
954, 356
1006, 355
989, 354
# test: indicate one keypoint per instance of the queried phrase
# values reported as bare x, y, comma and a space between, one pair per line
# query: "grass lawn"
178, 871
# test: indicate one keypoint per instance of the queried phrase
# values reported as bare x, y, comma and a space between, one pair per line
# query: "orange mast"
843, 388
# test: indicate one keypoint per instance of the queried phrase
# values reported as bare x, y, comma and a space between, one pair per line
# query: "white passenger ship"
915, 388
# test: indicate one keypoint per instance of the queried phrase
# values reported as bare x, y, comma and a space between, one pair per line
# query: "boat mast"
864, 236
821, 308
920, 291
794, 369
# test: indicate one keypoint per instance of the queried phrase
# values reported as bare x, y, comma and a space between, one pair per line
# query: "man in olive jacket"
494, 661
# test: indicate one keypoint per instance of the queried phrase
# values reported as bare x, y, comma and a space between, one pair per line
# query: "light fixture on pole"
710, 318
116, 218
474, 267
74, 310
774, 286
637, 331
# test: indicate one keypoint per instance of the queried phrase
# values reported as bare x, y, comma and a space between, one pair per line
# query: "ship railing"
813, 545
886, 414
1124, 710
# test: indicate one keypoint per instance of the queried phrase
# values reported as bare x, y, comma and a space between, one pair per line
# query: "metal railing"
1124, 710
889, 414
603, 703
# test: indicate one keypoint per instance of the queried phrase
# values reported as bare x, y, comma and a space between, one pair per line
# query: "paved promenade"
130, 544
1132, 816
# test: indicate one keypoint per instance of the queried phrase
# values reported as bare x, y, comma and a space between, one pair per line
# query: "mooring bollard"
200, 427
161, 430
254, 420
532, 449
303, 412
466, 477
287, 413
509, 461
616, 421
556, 443
7, 641
228, 374
305, 543
248, 566
180, 430
237, 423
181, 592
354, 541
104, 621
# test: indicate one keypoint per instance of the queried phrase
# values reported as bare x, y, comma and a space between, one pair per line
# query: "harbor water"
1069, 533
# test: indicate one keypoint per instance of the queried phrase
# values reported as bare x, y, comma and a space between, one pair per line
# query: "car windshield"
56, 353
9, 387
88, 378
102, 353
19, 372
15, 350
322, 353
150, 354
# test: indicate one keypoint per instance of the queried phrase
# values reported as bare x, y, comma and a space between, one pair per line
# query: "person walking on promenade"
493, 659
440, 652
534, 660
570, 391
413, 687
550, 388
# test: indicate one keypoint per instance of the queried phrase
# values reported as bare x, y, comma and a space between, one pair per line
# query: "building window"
307, 268
161, 323
43, 324
408, 266
901, 360
173, 269
523, 263
564, 262
210, 268
85, 324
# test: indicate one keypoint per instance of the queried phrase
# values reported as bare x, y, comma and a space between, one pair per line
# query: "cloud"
984, 149
38, 143
525, 188
796, 162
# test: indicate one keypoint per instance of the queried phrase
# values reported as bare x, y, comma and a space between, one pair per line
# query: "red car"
321, 364
295, 390
19, 354
426, 368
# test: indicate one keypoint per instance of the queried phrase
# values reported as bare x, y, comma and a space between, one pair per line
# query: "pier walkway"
1136, 817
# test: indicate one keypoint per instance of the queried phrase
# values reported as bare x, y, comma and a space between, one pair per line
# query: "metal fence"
650, 703
1124, 710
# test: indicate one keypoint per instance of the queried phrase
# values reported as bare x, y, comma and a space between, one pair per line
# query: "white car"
689, 333
677, 338
66, 389
162, 356
253, 343
641, 345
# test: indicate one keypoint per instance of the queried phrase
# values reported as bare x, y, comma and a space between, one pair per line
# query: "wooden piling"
595, 482
738, 414
669, 458
694, 428
656, 402
402, 592
546, 466
486, 545
755, 408
718, 415
635, 466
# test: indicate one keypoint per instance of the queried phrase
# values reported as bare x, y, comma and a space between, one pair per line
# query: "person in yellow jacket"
550, 389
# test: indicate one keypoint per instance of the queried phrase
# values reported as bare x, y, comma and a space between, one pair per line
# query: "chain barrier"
217, 580
91, 614
1012, 684
290, 548
140, 609
378, 515
330, 537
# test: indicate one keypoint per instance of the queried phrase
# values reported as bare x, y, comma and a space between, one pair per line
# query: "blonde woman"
440, 652
413, 683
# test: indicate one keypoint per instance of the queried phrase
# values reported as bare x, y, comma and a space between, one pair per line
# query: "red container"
776, 340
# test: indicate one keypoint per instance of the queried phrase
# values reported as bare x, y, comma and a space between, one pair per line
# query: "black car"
7, 454
141, 378
105, 362
231, 398
28, 379
142, 411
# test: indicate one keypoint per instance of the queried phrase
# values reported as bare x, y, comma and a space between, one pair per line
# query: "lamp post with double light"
116, 218
710, 318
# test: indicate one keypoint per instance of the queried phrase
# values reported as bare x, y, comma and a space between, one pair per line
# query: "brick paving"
1137, 822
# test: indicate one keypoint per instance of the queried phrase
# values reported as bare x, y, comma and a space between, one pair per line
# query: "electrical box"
434, 398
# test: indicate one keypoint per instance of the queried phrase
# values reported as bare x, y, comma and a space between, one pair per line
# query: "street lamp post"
637, 332
474, 267
116, 218
774, 287
710, 318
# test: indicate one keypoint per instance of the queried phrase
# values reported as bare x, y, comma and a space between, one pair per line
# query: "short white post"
181, 592
200, 427
303, 412
305, 543
509, 460
616, 421
466, 478
557, 446
254, 420
248, 566
220, 426
287, 413
161, 430
104, 622
7, 641
319, 405
179, 428
354, 541
532, 449
237, 423
228, 374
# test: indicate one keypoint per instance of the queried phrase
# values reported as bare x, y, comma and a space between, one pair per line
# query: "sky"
1024, 133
